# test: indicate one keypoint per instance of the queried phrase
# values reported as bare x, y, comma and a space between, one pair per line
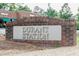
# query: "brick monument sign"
42, 31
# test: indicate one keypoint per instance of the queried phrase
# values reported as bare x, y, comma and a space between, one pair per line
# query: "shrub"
77, 23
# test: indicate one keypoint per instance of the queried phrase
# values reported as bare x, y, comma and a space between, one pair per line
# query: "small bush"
77, 23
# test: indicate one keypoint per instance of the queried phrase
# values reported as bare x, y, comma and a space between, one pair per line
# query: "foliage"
50, 11
65, 12
14, 7
77, 19
39, 10
24, 8
77, 23
3, 5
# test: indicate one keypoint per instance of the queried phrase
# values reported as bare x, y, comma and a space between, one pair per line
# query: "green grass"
77, 39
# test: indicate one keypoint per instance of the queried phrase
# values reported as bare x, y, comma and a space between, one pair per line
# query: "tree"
39, 10
50, 11
25, 8
14, 7
77, 20
77, 16
65, 12
18, 7
3, 5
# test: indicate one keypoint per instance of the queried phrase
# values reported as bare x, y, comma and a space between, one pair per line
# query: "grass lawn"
78, 39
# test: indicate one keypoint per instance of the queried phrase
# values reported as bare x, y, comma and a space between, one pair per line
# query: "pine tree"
50, 11
65, 12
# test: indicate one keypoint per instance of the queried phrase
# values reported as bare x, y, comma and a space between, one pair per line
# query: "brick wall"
68, 30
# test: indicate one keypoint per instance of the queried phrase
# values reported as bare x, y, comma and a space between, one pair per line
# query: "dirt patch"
12, 47
2, 37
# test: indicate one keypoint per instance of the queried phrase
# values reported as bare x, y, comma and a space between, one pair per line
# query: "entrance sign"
44, 32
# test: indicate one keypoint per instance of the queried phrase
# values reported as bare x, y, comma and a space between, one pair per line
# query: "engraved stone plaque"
44, 32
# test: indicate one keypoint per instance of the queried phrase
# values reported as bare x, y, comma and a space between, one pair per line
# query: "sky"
40, 1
